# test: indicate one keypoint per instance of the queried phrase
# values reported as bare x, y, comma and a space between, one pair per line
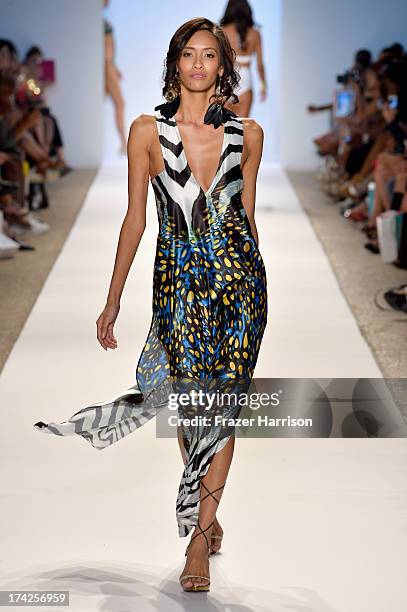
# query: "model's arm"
253, 145
314, 108
260, 66
133, 226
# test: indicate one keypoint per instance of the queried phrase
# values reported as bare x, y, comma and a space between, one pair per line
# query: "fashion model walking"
238, 25
209, 282
112, 78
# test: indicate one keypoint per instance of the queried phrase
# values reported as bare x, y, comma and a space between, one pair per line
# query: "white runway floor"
316, 525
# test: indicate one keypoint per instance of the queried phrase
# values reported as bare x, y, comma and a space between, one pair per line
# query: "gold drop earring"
219, 90
174, 88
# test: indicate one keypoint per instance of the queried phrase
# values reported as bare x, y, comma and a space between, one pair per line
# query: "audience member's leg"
57, 145
32, 148
387, 167
12, 170
384, 142
399, 191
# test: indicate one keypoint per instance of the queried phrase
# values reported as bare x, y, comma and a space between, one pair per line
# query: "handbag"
401, 233
387, 235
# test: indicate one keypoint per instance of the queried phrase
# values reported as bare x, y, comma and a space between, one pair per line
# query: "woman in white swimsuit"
245, 39
112, 82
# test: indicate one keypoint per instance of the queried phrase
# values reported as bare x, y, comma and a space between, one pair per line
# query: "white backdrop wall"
306, 43
70, 32
319, 38
143, 31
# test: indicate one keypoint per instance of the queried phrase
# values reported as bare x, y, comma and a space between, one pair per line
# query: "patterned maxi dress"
209, 311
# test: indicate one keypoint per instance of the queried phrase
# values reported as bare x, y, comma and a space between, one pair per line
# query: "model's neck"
193, 106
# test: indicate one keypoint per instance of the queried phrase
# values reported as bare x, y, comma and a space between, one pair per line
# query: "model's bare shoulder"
142, 130
251, 125
143, 121
253, 132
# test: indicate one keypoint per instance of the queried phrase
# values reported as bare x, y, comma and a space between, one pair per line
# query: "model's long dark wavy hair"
239, 13
230, 77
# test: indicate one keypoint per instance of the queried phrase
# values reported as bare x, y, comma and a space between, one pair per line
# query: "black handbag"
402, 251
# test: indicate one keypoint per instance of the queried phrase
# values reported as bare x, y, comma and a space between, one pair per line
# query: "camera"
349, 75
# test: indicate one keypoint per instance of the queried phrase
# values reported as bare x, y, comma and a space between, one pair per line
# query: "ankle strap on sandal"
201, 533
211, 493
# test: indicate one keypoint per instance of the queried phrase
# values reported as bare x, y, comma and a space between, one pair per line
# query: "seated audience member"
390, 158
362, 80
371, 148
49, 137
12, 130
20, 118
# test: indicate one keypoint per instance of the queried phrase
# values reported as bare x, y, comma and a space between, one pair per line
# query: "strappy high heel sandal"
213, 537
183, 577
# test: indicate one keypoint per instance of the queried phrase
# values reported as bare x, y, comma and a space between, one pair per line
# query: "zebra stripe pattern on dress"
209, 309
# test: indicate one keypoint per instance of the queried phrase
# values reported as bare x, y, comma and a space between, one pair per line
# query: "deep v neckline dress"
209, 310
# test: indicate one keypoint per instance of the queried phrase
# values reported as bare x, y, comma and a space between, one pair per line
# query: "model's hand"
105, 325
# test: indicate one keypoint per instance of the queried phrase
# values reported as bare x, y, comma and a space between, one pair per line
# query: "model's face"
199, 62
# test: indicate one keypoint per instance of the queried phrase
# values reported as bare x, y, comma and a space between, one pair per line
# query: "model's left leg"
211, 491
217, 531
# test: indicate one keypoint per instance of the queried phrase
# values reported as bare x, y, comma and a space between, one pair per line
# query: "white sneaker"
8, 246
36, 226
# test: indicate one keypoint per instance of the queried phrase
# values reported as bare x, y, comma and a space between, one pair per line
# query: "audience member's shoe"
24, 246
372, 247
8, 246
66, 170
38, 226
358, 190
397, 298
31, 225
337, 190
348, 203
343, 189
355, 214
